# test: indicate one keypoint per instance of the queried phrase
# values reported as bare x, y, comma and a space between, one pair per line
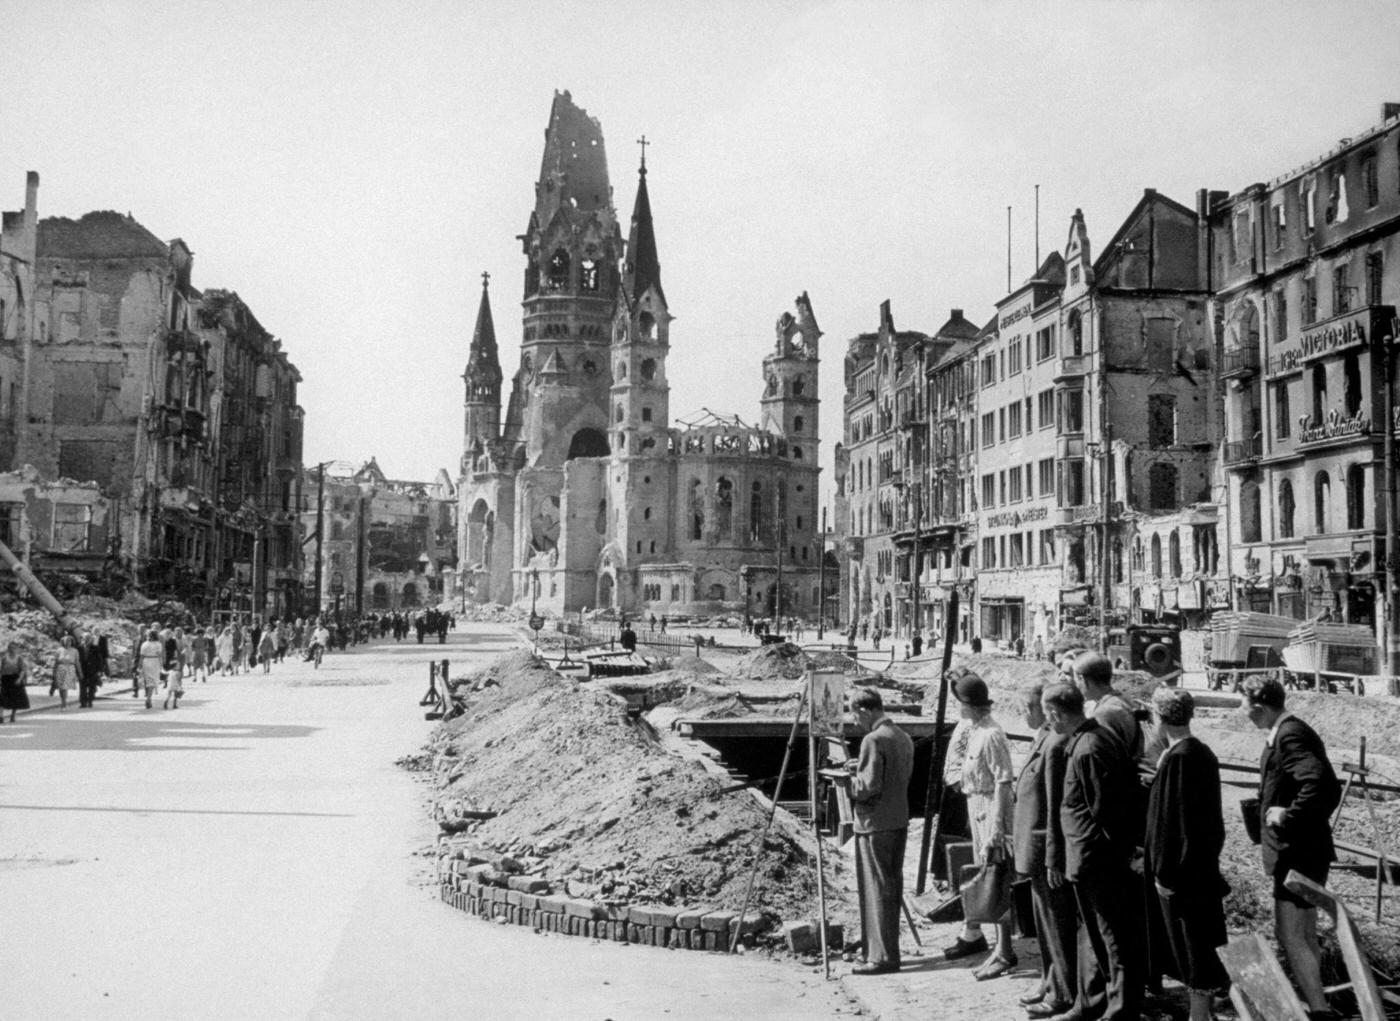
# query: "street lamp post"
821, 578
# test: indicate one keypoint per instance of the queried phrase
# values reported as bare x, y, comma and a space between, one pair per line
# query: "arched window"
588, 443
1117, 560
799, 386
620, 415
1156, 556
1286, 509
1356, 496
715, 591
1322, 503
724, 508
557, 278
756, 512
797, 424
588, 275
1251, 521
1174, 553
648, 369
379, 596
621, 370
1074, 327
646, 324
697, 509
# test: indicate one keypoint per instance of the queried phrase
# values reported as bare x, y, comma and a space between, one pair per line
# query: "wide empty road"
257, 854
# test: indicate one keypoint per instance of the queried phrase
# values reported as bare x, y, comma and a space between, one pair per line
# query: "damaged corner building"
150, 431
580, 492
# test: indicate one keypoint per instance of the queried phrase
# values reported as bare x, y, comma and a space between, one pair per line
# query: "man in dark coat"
880, 801
1038, 845
1297, 792
1181, 855
1099, 782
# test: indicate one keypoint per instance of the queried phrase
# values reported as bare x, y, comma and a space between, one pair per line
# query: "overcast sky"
350, 169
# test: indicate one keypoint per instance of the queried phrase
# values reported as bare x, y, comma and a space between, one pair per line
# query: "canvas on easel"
828, 704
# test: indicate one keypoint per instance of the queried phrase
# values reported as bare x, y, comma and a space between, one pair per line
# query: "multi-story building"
948, 526
884, 441
1136, 422
18, 245
583, 494
385, 544
1306, 285
130, 378
1018, 574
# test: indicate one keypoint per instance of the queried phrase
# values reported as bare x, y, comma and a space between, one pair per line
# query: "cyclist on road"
320, 638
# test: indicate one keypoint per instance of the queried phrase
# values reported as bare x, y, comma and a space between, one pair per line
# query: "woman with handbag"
988, 783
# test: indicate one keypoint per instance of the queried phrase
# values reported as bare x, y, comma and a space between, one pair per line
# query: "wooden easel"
1358, 772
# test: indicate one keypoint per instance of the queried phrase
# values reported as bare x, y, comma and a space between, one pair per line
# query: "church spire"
483, 362
643, 269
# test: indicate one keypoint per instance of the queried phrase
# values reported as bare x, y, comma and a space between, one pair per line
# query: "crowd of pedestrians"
1116, 823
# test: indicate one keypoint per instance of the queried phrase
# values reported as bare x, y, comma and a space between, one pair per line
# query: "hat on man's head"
969, 689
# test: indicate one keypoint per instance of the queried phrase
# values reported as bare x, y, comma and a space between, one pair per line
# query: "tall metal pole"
1392, 512
821, 578
917, 624
320, 527
1106, 565
780, 528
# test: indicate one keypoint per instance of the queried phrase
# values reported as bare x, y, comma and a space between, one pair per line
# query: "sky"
351, 168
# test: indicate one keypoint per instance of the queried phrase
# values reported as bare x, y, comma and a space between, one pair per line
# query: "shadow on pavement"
144, 730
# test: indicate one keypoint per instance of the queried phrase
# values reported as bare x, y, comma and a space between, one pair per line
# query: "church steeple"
483, 362
643, 268
483, 377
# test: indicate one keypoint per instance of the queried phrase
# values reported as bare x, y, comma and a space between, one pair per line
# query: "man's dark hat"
969, 689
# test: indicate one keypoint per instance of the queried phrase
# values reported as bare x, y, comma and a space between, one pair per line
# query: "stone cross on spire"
485, 280
644, 143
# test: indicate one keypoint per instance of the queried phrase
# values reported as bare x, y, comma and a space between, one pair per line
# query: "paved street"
256, 854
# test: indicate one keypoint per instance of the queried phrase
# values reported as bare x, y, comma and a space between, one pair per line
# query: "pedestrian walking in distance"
150, 658
13, 673
66, 669
880, 801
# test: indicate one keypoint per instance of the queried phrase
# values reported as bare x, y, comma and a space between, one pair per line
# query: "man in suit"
880, 801
1099, 782
1036, 826
1297, 792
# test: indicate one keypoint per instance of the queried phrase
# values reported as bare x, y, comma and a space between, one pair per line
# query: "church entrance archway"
379, 596
410, 594
606, 591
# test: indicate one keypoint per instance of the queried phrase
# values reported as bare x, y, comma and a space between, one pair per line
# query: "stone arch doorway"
379, 596
410, 594
607, 591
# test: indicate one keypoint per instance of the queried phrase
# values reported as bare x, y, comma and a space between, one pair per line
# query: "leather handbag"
1249, 809
987, 896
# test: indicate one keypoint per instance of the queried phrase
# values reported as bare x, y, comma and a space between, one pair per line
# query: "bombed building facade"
581, 492
174, 406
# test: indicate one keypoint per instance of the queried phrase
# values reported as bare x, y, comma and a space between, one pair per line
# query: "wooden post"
816, 823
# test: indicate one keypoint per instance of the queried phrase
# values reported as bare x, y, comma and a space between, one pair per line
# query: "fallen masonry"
600, 829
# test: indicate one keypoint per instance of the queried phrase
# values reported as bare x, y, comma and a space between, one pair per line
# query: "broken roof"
103, 234
705, 419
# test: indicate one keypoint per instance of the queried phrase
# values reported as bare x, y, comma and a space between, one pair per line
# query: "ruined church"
582, 493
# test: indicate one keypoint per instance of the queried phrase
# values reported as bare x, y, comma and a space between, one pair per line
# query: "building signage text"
1014, 316
1333, 427
1332, 337
1014, 518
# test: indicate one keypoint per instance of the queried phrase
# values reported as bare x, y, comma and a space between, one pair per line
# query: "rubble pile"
554, 774
492, 613
36, 635
785, 661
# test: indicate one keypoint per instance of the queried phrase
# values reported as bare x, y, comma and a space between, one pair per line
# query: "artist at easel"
880, 799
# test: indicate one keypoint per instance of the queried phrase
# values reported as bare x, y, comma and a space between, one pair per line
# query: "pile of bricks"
492, 893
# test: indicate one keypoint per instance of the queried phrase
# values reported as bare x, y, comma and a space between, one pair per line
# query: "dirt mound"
36, 635
588, 798
785, 661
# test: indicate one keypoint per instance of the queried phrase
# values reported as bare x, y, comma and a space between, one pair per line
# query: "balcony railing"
1239, 362
1241, 452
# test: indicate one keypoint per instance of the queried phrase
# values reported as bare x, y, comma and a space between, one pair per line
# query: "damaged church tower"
584, 495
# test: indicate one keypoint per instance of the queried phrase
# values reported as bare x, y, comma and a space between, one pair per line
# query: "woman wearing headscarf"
223, 648
66, 668
13, 671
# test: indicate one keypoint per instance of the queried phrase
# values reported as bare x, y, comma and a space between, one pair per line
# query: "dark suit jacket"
1185, 825
1100, 788
1294, 773
1036, 804
880, 787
